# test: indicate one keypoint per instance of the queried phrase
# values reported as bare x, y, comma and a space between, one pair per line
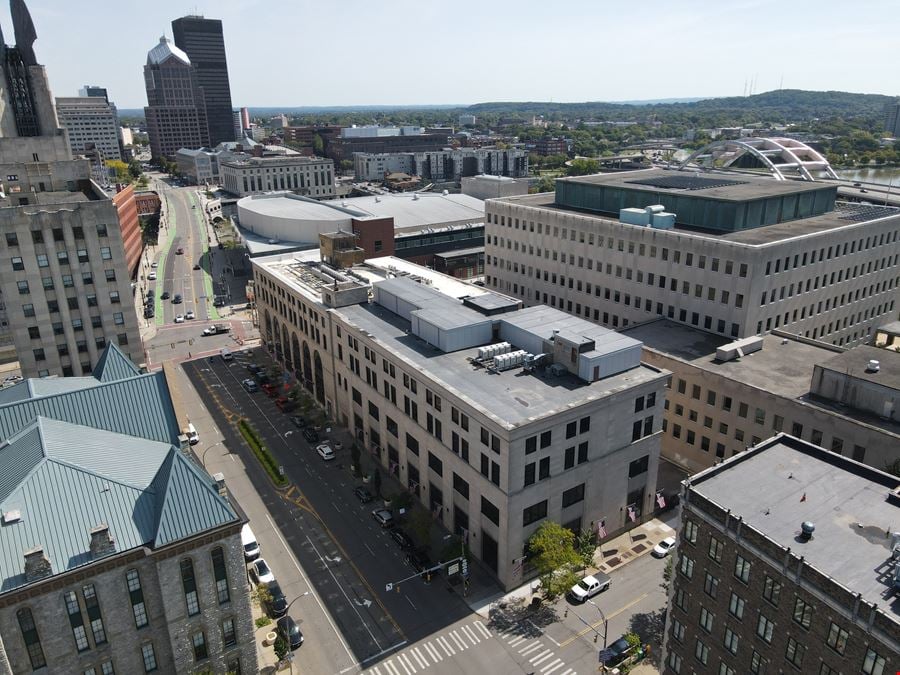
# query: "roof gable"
114, 365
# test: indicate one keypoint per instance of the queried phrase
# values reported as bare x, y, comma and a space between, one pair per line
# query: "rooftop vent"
445, 192
11, 517
102, 542
873, 366
806, 530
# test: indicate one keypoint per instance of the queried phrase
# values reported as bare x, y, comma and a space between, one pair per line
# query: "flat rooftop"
854, 362
847, 502
512, 398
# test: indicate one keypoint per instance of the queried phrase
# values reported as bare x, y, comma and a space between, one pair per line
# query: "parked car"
363, 495
196, 266
219, 302
325, 451
384, 517
260, 572
250, 386
589, 587
189, 315
254, 368
165, 295
154, 264
617, 652
290, 631
311, 435
285, 404
663, 548
179, 318
299, 421
177, 299
148, 312
216, 329
418, 560
277, 605
270, 389
179, 251
261, 376
151, 276
248, 541
402, 539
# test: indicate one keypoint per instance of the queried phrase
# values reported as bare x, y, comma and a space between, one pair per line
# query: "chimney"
220, 483
37, 565
101, 542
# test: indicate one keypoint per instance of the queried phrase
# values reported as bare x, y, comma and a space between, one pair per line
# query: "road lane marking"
594, 626
553, 665
484, 631
418, 656
462, 645
568, 671
540, 658
435, 655
442, 641
525, 651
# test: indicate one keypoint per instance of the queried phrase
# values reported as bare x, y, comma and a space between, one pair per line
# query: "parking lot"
347, 555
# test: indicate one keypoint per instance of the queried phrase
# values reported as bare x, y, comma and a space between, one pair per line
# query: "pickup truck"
218, 329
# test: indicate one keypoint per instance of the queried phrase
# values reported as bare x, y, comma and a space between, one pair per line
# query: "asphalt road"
348, 558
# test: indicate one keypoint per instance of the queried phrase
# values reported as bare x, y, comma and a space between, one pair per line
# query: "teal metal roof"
114, 365
66, 479
47, 386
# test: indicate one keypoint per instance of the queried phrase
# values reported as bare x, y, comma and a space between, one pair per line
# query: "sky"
386, 52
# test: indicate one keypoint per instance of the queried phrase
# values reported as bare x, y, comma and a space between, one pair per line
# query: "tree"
554, 556
281, 648
420, 524
261, 595
585, 545
545, 184
376, 482
120, 169
318, 145
346, 165
583, 167
134, 168
667, 575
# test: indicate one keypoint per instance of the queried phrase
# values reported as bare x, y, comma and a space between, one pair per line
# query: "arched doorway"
286, 348
276, 340
307, 368
295, 355
320, 378
267, 327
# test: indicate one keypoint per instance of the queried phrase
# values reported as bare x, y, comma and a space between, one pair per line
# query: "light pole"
605, 630
203, 455
290, 654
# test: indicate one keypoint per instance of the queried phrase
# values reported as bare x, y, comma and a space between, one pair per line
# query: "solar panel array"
859, 213
686, 182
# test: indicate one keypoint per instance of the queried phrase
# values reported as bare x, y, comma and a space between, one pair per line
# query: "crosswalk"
430, 653
539, 656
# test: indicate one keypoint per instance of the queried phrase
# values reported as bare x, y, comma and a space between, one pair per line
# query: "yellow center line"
594, 626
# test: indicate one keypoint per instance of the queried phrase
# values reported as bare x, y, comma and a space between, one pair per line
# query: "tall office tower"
66, 289
236, 120
94, 90
91, 121
202, 40
245, 118
892, 118
176, 111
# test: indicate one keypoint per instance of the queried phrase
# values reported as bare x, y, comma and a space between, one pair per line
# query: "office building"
729, 395
733, 254
176, 108
90, 122
787, 562
892, 118
493, 187
122, 555
443, 165
467, 120
312, 176
238, 125
304, 138
549, 145
66, 285
204, 43
491, 443
344, 147
199, 167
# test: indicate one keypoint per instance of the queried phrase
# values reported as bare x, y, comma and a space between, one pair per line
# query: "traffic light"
465, 567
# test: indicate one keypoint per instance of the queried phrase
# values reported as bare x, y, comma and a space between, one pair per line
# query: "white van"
227, 355
193, 436
248, 541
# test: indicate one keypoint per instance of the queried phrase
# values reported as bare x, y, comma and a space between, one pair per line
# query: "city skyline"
532, 59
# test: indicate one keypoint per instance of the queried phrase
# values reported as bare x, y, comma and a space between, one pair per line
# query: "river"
887, 175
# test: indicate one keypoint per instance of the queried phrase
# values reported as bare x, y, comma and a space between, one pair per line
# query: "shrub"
262, 621
262, 453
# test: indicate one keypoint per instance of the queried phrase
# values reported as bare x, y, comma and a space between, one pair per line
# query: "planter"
271, 636
387, 503
365, 479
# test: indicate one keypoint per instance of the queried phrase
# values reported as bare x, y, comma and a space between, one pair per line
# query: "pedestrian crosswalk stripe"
469, 633
553, 665
569, 671
406, 663
442, 641
435, 655
528, 650
459, 643
484, 631
390, 668
375, 670
517, 641
540, 658
417, 655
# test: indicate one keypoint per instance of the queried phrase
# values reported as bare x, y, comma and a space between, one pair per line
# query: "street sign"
389, 587
453, 568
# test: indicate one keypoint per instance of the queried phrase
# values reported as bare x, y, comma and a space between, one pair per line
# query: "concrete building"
121, 555
492, 449
892, 118
90, 121
493, 187
786, 563
176, 108
721, 403
200, 166
344, 147
203, 41
551, 145
467, 120
310, 176
443, 165
734, 254
125, 202
303, 137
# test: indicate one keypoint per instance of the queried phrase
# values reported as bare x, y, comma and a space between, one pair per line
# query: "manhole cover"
638, 548
613, 561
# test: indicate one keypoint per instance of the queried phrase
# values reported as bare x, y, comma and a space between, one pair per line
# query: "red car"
285, 404
270, 389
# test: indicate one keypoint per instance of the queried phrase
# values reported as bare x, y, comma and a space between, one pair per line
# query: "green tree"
376, 482
583, 167
134, 168
554, 556
585, 545
318, 145
545, 184
261, 595
120, 169
281, 648
346, 164
420, 524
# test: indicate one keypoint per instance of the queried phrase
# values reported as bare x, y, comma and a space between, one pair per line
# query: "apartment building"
310, 176
729, 395
122, 555
91, 122
786, 563
733, 254
491, 446
443, 165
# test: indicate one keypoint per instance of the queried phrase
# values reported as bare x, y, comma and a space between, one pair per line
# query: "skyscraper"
175, 112
204, 43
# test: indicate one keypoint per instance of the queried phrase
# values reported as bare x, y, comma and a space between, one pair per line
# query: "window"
34, 332
534, 513
680, 600
771, 590
12, 239
706, 619
110, 275
677, 630
30, 635
724, 669
28, 310
489, 511
873, 663
460, 485
199, 641
690, 531
220, 574
701, 652
76, 621
83, 255
149, 657
101, 230
92, 606
638, 466
584, 425
435, 464
674, 662
742, 569
736, 606
23, 287
189, 585
837, 638
715, 549
114, 297
582, 452
757, 663
18, 264
136, 593
711, 585
731, 640
229, 638
544, 468
794, 652
571, 429
686, 566
529, 474
573, 495
530, 445
765, 628
803, 613
118, 318
546, 437
105, 253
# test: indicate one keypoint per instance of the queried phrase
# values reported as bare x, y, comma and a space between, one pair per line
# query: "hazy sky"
350, 52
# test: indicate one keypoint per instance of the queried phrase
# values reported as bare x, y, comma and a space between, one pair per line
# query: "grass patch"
262, 621
262, 453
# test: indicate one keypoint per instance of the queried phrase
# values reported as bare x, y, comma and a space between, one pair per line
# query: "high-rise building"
245, 118
90, 121
788, 561
204, 43
94, 90
67, 287
892, 118
176, 109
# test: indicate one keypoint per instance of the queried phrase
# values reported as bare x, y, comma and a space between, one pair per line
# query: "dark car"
383, 517
290, 631
298, 421
418, 560
151, 294
363, 495
196, 266
179, 251
402, 539
254, 368
219, 302
165, 295
177, 299
285, 404
261, 376
148, 312
277, 605
617, 652
311, 435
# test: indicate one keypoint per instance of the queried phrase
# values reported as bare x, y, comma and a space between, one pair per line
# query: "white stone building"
310, 176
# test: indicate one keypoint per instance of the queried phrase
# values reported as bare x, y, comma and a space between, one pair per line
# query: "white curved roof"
164, 50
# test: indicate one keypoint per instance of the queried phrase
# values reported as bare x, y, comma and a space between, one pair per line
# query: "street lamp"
203, 455
605, 629
290, 654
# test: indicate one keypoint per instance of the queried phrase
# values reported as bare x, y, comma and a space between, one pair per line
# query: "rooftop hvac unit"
503, 348
739, 348
557, 369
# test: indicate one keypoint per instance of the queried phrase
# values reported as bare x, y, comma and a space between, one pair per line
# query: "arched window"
31, 637
190, 587
220, 574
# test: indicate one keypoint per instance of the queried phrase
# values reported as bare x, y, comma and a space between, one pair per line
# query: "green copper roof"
114, 365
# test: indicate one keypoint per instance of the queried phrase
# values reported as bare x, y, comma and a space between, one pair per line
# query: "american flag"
632, 514
601, 529
660, 500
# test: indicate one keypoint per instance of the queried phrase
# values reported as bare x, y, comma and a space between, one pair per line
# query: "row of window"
57, 233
